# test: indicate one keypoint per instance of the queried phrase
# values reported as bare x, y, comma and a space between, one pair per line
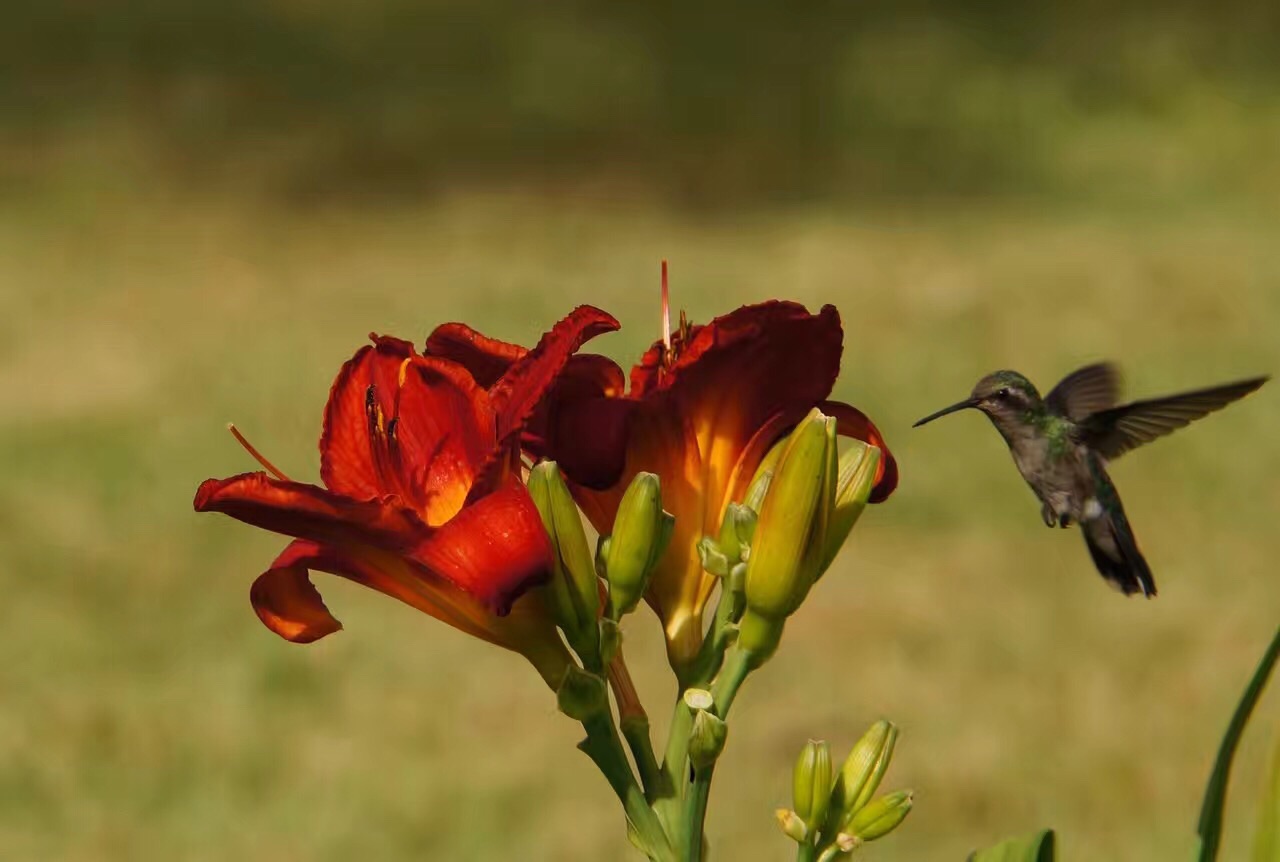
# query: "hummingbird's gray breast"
1059, 476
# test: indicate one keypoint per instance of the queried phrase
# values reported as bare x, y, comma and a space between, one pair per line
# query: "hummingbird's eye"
1002, 394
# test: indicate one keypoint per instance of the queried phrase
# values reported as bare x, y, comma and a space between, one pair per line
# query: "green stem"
695, 806
737, 664
674, 764
707, 662
635, 729
807, 852
673, 761
604, 748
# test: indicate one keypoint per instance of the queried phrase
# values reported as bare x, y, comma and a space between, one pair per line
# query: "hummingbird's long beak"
959, 405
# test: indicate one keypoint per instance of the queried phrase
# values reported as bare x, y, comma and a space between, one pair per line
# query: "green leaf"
1039, 847
1215, 794
1266, 842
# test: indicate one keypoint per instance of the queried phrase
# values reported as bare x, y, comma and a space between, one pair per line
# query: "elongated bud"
581, 694
811, 783
863, 769
641, 531
857, 476
707, 739
878, 817
789, 539
792, 825
575, 591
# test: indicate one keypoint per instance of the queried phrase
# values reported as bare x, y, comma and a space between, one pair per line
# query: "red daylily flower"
702, 412
422, 497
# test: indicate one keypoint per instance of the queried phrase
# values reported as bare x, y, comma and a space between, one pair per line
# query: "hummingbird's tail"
1115, 551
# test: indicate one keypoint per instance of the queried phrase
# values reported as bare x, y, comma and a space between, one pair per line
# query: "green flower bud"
641, 531
788, 545
878, 818
743, 521
792, 825
707, 739
811, 783
735, 531
863, 770
581, 694
714, 561
857, 476
574, 588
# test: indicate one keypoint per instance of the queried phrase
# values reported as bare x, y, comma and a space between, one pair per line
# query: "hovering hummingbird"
1062, 443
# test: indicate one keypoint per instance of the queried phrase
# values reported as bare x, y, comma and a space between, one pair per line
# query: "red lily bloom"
422, 498
702, 412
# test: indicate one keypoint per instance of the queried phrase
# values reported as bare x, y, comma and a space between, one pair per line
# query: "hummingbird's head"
1005, 396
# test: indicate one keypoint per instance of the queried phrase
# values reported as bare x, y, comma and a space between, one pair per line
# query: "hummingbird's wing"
1085, 391
1113, 432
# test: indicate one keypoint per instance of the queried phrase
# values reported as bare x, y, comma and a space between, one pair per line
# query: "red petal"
526, 382
435, 430
852, 422
576, 398
288, 603
346, 460
445, 432
285, 599
525, 385
493, 550
486, 358
738, 373
583, 423
307, 512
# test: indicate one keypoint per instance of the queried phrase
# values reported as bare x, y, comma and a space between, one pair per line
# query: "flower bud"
863, 769
707, 739
736, 531
792, 825
641, 531
581, 694
574, 589
856, 477
789, 539
878, 818
714, 560
811, 783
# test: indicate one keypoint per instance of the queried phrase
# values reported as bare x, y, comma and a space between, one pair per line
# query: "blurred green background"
205, 205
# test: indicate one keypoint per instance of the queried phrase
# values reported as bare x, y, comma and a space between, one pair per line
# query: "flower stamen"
257, 456
666, 310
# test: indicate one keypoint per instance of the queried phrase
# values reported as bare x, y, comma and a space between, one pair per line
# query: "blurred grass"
711, 104
203, 208
148, 715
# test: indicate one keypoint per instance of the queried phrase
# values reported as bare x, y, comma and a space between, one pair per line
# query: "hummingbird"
1062, 443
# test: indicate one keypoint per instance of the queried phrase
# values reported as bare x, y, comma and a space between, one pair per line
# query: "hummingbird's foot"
1046, 512
1064, 520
